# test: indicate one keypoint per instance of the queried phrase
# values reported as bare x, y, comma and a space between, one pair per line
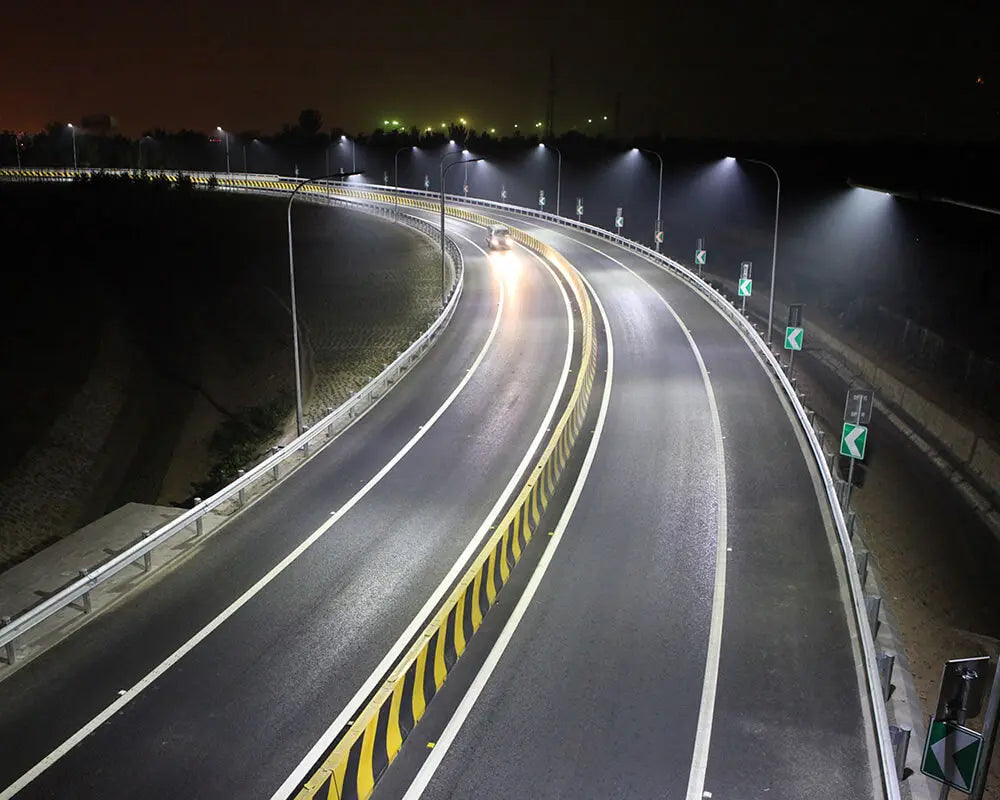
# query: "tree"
310, 121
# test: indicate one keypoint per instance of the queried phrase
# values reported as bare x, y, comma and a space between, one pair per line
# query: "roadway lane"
236, 714
598, 692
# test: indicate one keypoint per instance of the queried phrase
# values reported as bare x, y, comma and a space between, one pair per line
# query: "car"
498, 237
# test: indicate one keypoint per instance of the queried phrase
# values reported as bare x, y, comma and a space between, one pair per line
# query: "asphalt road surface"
605, 687
234, 715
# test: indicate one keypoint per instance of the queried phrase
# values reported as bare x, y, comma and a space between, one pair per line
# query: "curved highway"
686, 634
218, 678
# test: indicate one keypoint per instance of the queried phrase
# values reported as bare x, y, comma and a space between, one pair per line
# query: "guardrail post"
11, 655
147, 558
821, 437
852, 518
86, 595
243, 492
305, 444
274, 469
886, 661
811, 416
329, 427
861, 562
872, 604
197, 522
900, 738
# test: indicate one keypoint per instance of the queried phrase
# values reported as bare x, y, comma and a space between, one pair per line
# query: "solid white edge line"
308, 762
454, 726
244, 598
706, 711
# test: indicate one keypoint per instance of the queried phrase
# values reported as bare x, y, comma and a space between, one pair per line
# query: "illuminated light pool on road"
506, 265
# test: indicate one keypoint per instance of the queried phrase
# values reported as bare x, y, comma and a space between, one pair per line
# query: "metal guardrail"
362, 192
267, 470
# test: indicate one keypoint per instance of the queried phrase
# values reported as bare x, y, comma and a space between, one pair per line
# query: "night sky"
778, 70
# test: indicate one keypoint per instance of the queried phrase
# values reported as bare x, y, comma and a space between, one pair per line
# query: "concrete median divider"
355, 763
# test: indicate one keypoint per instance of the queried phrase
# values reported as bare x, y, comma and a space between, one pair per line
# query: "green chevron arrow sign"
701, 257
951, 754
745, 287
853, 440
793, 338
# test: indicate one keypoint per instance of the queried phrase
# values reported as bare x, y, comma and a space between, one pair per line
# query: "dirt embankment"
150, 344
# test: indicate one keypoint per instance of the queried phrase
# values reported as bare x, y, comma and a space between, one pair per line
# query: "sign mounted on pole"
963, 684
503, 194
427, 182
795, 315
745, 287
658, 236
619, 219
853, 439
541, 199
952, 754
858, 406
579, 208
793, 338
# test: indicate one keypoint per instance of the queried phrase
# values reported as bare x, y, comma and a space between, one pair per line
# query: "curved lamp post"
291, 283
395, 176
558, 172
226, 135
354, 148
72, 130
659, 196
444, 171
774, 249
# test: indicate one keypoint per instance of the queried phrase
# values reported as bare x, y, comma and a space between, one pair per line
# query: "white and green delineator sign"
793, 338
745, 287
853, 439
700, 257
952, 754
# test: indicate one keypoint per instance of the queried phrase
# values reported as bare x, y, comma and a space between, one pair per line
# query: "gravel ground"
937, 563
118, 396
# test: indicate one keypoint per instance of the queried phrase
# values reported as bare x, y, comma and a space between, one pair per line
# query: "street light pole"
395, 178
659, 197
291, 283
444, 171
73, 131
226, 137
558, 173
354, 147
774, 248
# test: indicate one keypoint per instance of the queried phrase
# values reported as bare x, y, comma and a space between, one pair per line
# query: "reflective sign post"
745, 286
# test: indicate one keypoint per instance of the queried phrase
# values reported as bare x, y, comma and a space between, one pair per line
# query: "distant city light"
605, 119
